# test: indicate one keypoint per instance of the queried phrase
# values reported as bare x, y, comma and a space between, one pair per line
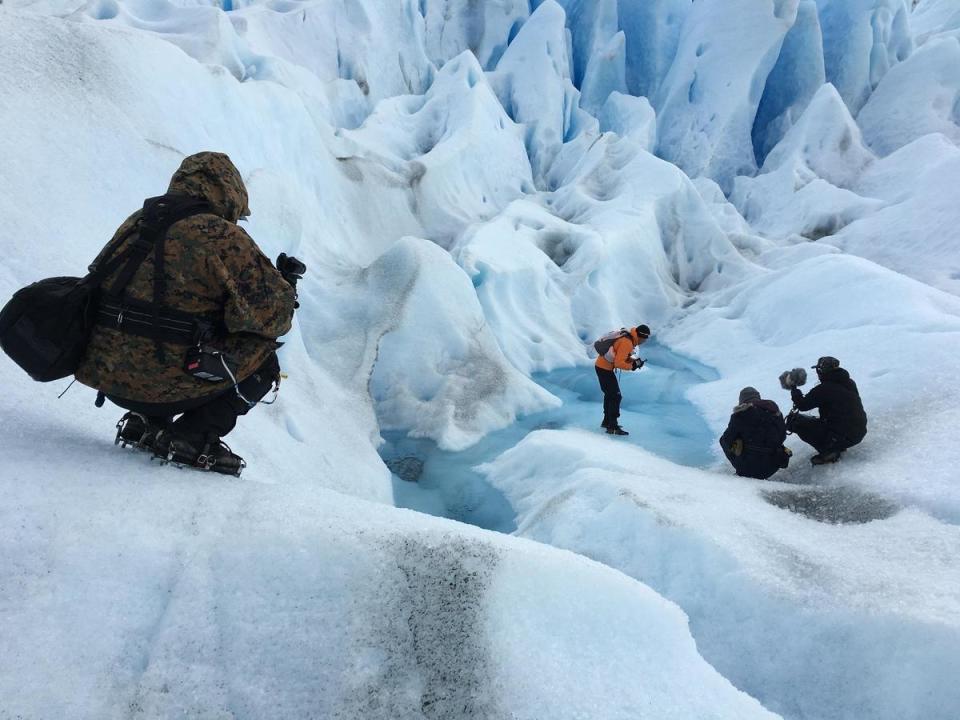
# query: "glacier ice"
794, 80
918, 97
473, 180
439, 373
862, 40
806, 184
708, 100
629, 117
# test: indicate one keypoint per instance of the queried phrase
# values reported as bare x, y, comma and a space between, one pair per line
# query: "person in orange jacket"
618, 357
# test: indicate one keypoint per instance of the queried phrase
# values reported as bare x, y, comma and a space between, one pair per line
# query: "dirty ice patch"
170, 593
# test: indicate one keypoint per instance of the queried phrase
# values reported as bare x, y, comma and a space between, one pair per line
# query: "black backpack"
44, 328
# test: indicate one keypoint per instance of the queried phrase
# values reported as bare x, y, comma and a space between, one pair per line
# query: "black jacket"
760, 430
839, 402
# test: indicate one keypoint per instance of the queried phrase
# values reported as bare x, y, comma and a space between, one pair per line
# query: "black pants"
817, 433
211, 417
611, 396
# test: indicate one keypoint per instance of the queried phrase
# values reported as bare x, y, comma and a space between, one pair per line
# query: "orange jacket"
621, 351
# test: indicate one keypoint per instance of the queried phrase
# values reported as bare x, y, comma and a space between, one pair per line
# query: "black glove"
637, 363
291, 268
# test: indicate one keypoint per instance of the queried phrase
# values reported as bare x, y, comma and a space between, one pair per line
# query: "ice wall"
862, 40
708, 100
792, 83
919, 97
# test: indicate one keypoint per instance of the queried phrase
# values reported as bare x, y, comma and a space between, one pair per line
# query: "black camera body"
795, 378
206, 363
291, 268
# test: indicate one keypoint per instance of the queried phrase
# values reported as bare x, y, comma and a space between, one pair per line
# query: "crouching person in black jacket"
842, 422
753, 440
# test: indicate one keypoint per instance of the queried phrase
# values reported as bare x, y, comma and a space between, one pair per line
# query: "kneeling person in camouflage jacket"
200, 281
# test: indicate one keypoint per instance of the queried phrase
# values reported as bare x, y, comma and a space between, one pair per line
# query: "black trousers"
817, 433
611, 396
211, 417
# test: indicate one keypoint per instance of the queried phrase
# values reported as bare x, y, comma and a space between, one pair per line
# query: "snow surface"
479, 190
816, 619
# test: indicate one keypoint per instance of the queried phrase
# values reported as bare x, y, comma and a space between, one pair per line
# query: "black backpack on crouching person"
44, 328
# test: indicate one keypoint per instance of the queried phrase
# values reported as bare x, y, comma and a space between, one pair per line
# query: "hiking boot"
825, 458
220, 458
216, 456
616, 430
135, 429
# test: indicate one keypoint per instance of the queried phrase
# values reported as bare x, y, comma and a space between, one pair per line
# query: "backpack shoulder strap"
159, 214
107, 264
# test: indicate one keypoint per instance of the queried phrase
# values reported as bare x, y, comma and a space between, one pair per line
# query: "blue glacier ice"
655, 411
792, 83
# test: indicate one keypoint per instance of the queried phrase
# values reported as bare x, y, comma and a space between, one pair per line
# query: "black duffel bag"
46, 326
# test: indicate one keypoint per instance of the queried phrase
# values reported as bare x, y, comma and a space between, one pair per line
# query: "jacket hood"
837, 375
213, 177
761, 404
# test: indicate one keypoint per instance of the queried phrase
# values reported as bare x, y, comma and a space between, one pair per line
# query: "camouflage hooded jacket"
211, 267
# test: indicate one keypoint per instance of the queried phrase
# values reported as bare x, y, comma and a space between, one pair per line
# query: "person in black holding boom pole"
842, 422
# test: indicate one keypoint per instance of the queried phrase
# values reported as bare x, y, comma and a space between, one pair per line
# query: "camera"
795, 378
291, 268
206, 363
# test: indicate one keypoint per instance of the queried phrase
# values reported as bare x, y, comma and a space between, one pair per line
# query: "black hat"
643, 331
748, 394
827, 363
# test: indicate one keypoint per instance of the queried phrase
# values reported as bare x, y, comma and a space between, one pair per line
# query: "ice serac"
806, 184
204, 32
385, 54
915, 232
630, 117
862, 40
792, 83
456, 150
526, 265
931, 19
707, 104
598, 50
533, 82
919, 96
591, 23
439, 373
602, 248
605, 75
652, 31
484, 28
